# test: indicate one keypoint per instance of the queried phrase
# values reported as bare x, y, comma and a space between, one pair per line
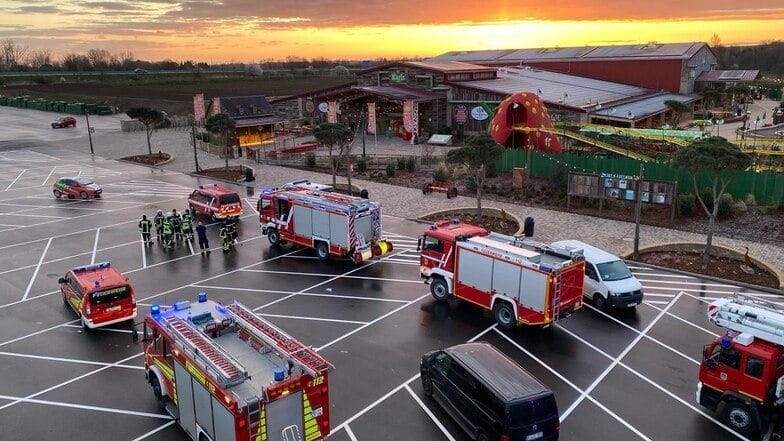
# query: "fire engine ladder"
254, 418
758, 317
556, 295
266, 332
227, 371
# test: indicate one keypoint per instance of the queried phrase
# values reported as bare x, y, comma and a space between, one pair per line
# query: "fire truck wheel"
481, 437
274, 237
739, 417
83, 195
322, 250
504, 315
57, 194
599, 302
156, 390
427, 385
439, 289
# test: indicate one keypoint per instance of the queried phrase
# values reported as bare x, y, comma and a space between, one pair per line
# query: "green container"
3, 101
90, 108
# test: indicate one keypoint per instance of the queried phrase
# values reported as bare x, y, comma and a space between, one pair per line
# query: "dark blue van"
490, 396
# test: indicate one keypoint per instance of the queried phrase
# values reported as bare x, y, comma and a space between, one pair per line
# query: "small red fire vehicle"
99, 294
215, 201
521, 281
78, 186
225, 374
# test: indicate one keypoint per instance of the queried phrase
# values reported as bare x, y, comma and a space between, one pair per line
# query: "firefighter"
159, 224
187, 225
225, 236
145, 227
231, 225
204, 244
176, 224
168, 238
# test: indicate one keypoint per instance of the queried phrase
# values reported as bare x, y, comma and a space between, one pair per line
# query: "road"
616, 376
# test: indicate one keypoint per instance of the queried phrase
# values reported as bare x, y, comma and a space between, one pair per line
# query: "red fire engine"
215, 201
224, 374
742, 372
333, 224
521, 281
99, 294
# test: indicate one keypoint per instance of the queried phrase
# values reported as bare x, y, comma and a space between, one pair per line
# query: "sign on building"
398, 77
408, 106
198, 107
332, 111
461, 114
216, 105
608, 186
323, 107
479, 113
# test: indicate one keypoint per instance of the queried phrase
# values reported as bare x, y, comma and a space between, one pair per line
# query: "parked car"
64, 121
79, 186
608, 281
216, 202
490, 396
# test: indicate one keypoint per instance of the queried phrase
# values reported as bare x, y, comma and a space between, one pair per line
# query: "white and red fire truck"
521, 281
333, 224
224, 374
742, 371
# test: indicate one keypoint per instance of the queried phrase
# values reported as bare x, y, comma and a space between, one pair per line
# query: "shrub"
491, 171
390, 169
686, 204
470, 183
42, 79
725, 205
411, 163
441, 174
164, 124
707, 197
559, 177
205, 136
362, 165
750, 200
310, 160
401, 163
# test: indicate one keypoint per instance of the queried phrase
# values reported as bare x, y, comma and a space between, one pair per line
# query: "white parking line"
64, 383
318, 319
620, 357
693, 325
67, 360
306, 294
38, 267
429, 413
85, 407
154, 431
573, 386
35, 215
653, 383
102, 329
14, 181
95, 245
348, 334
677, 282
295, 273
46, 179
349, 432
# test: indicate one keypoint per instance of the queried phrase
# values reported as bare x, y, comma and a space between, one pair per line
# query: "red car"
65, 121
215, 201
72, 187
99, 295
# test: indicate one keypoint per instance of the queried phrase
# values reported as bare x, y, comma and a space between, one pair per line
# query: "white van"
608, 281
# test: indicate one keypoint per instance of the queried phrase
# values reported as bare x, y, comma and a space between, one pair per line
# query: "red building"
673, 67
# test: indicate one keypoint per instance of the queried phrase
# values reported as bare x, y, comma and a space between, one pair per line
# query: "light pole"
756, 123
89, 131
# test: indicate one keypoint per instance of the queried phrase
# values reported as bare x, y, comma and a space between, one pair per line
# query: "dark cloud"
112, 6
38, 9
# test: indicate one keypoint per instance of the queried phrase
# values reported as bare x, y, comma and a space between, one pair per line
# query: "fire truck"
225, 374
742, 372
521, 281
333, 224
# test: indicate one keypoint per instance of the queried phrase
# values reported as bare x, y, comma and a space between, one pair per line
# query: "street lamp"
89, 131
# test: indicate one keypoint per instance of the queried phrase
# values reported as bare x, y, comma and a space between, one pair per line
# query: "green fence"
767, 188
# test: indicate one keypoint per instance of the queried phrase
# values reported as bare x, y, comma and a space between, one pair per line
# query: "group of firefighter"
173, 227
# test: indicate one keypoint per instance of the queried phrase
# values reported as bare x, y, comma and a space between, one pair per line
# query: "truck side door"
432, 252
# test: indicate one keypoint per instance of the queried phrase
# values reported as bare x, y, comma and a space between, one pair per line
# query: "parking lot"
619, 376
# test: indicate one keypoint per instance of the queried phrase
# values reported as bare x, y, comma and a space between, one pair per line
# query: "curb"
128, 161
706, 277
497, 211
240, 183
762, 263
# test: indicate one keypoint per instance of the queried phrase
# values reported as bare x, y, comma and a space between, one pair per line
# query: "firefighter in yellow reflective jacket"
225, 236
145, 227
168, 233
187, 225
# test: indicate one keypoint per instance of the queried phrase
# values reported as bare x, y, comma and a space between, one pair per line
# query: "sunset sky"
252, 30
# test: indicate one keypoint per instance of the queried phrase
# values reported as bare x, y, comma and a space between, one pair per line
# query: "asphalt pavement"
616, 376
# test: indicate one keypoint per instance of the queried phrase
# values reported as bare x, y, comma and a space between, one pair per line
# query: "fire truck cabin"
521, 281
223, 372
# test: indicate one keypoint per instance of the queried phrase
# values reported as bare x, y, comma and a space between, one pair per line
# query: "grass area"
168, 92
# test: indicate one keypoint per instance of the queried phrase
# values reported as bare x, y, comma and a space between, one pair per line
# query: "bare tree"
715, 41
12, 55
99, 58
40, 58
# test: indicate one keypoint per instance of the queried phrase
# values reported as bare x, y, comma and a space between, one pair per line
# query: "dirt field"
168, 93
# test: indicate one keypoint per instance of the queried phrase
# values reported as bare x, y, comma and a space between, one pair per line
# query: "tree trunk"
334, 165
149, 146
479, 181
348, 175
709, 241
226, 147
195, 152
